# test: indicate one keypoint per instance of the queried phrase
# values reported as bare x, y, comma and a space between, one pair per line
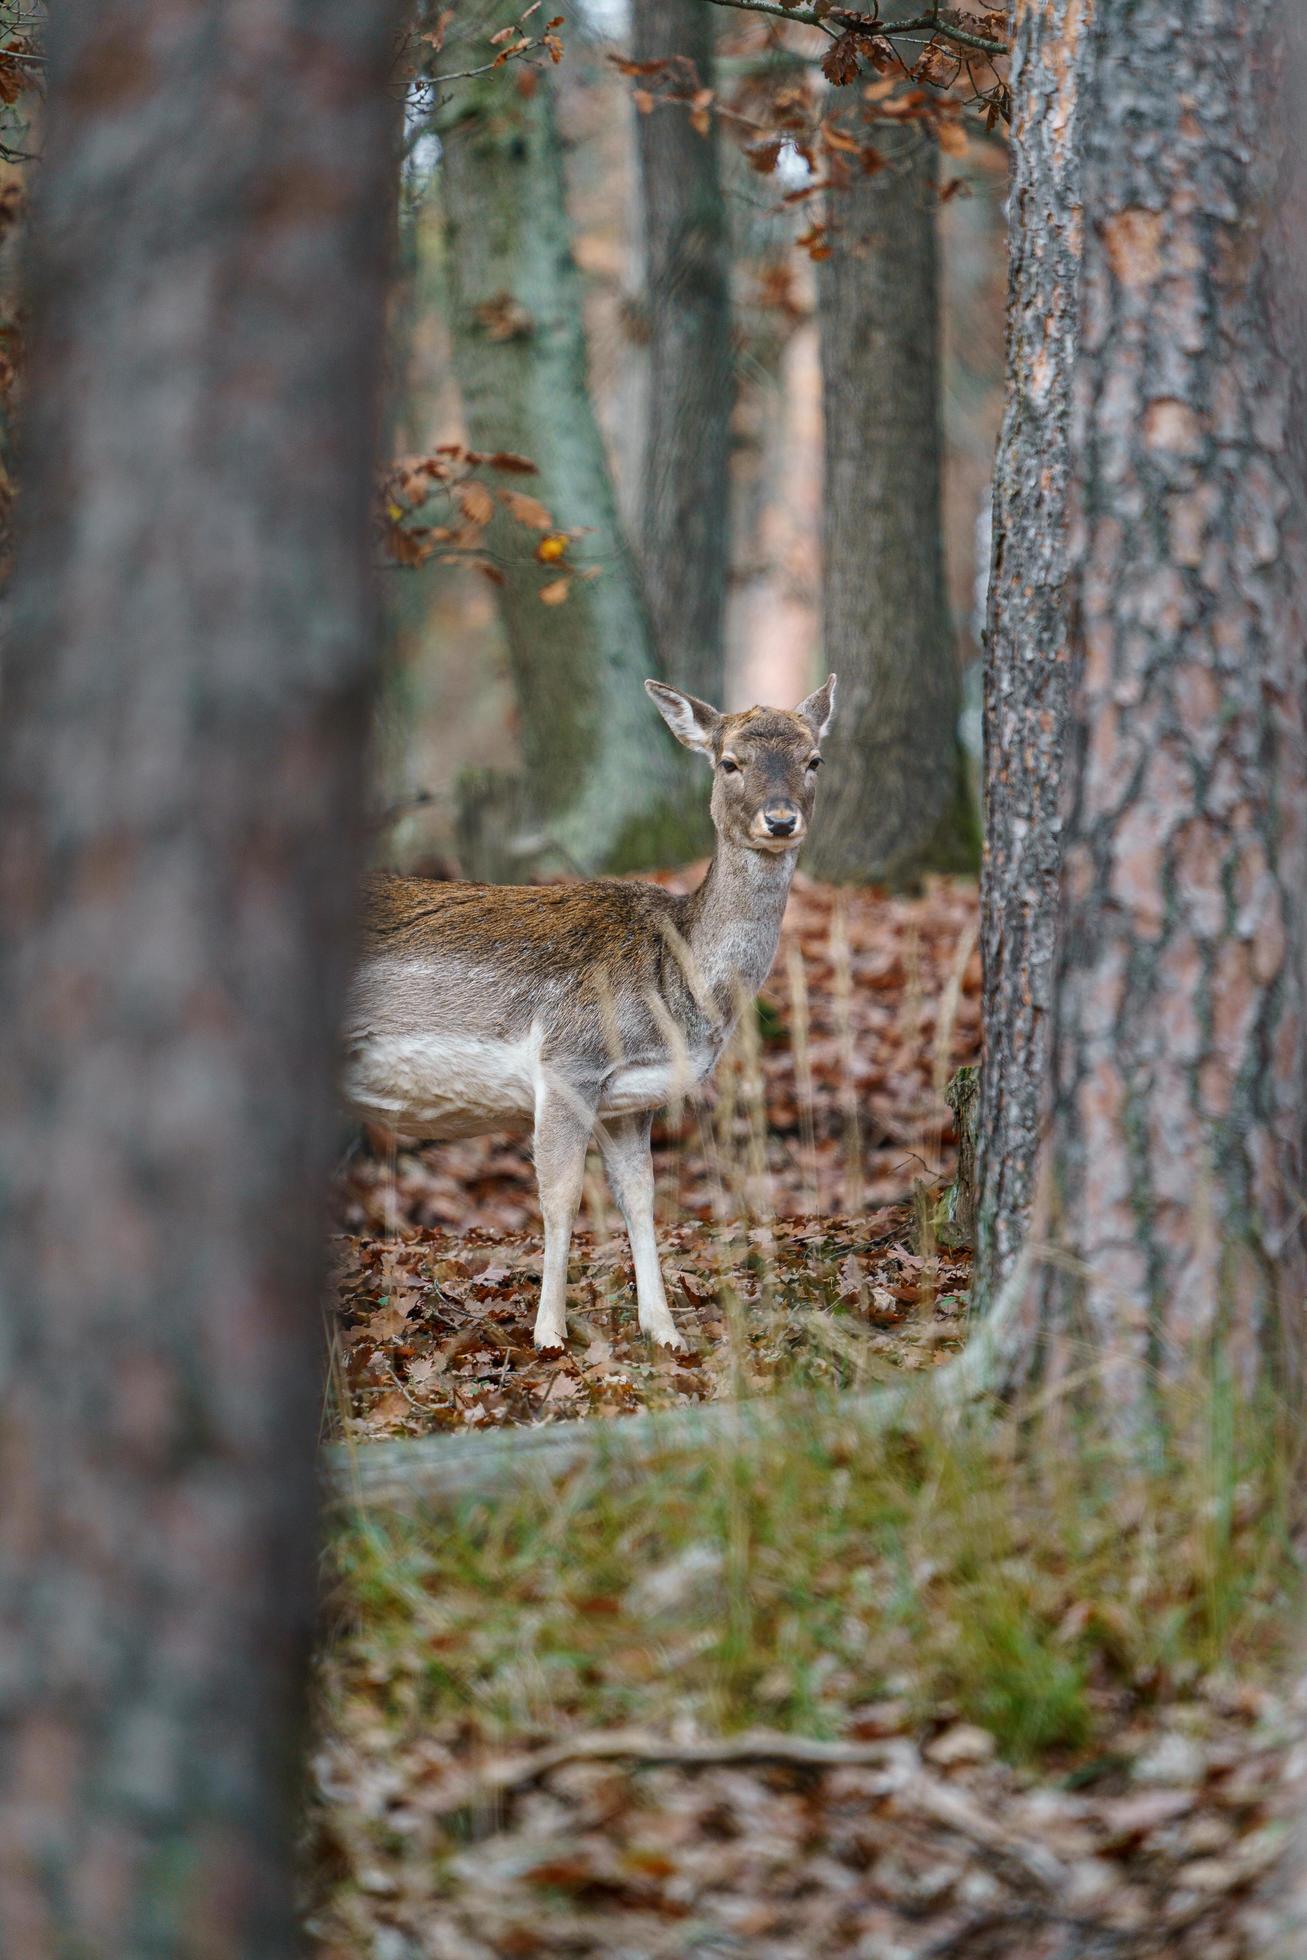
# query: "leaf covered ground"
802, 1207
927, 1694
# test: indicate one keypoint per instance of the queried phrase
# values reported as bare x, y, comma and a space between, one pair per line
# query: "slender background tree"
685, 525
187, 691
598, 793
896, 802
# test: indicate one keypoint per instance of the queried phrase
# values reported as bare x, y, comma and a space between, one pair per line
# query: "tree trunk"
894, 799
20, 137
186, 693
602, 789
1174, 1159
685, 532
1026, 656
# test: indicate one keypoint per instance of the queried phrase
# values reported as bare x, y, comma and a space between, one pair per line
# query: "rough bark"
601, 791
23, 29
1174, 1170
894, 800
1026, 656
685, 527
186, 693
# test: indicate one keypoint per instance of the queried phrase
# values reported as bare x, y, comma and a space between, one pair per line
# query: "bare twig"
804, 15
907, 1784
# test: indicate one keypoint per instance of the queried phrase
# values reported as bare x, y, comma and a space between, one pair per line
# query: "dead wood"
910, 1787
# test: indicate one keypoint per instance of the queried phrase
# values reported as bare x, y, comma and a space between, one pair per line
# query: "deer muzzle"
778, 824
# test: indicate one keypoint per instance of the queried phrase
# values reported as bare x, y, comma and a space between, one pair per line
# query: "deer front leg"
624, 1144
562, 1131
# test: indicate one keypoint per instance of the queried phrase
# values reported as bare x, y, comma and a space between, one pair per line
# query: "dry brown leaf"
527, 510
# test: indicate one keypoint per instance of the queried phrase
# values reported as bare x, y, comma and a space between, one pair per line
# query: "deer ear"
692, 722
818, 709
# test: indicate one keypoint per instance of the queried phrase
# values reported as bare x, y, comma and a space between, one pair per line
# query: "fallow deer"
581, 1009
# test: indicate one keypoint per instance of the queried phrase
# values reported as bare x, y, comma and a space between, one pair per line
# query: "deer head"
765, 762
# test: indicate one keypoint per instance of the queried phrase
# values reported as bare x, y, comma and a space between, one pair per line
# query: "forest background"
981, 1637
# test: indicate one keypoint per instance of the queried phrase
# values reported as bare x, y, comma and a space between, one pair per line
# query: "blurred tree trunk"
1026, 657
895, 801
186, 693
603, 790
1174, 1161
23, 30
685, 530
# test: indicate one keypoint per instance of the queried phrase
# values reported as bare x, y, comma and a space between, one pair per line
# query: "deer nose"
781, 819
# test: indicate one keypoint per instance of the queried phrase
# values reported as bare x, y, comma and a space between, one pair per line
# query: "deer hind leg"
563, 1122
624, 1144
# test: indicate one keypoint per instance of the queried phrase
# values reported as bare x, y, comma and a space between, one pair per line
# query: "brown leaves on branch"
680, 81
18, 69
936, 71
523, 40
842, 61
781, 121
440, 507
514, 41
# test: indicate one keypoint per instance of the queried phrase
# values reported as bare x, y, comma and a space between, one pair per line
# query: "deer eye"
730, 766
814, 762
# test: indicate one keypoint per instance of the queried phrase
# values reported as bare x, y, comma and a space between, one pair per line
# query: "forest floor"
938, 1694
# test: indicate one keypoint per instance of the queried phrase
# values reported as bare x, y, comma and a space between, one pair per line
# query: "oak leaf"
527, 510
475, 502
839, 64
509, 460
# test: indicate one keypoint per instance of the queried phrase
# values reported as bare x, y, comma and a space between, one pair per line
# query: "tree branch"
859, 23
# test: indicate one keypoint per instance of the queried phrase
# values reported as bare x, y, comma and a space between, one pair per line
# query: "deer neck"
735, 920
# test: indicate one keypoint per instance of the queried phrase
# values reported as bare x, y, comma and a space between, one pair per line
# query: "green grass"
1029, 1580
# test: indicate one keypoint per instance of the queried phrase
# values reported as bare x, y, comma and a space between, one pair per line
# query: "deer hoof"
667, 1337
550, 1340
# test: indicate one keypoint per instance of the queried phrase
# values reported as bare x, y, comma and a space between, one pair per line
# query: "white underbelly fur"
434, 1086
429, 1087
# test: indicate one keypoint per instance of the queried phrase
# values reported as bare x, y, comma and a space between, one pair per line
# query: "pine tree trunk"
685, 531
187, 689
894, 798
603, 791
1026, 657
1174, 1159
